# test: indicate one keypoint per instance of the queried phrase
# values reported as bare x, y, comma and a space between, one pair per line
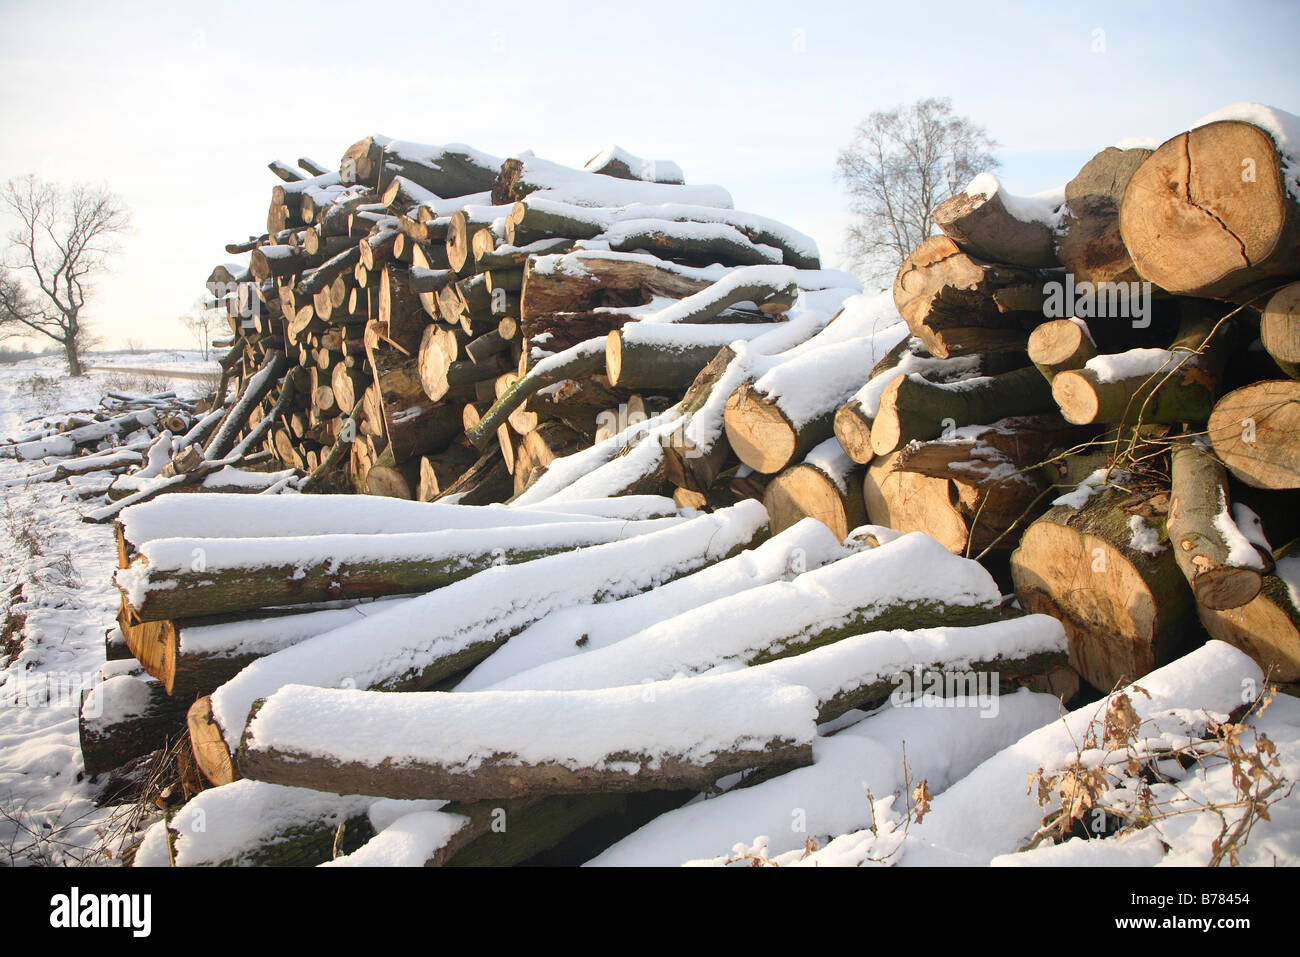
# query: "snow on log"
448, 631
193, 658
862, 672
538, 216
66, 443
797, 549
613, 160
451, 170
698, 243
188, 577
253, 824
238, 516
991, 224
911, 580
788, 410
1177, 697
123, 718
943, 745
666, 735
523, 176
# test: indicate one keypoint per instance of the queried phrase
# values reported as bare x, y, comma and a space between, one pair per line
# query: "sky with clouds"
178, 107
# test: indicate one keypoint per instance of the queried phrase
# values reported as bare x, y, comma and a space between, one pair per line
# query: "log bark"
1199, 522
1182, 389
257, 389
631, 766
983, 227
698, 244
1089, 244
655, 357
580, 282
585, 359
913, 408
373, 566
486, 482
109, 738
413, 423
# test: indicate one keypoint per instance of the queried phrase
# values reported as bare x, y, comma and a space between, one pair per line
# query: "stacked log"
587, 343
401, 298
1154, 407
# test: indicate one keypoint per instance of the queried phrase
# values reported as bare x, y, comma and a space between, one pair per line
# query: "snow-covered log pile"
598, 684
598, 375
1134, 339
430, 322
90, 448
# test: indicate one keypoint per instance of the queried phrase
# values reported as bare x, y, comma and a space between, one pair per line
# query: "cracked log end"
1207, 214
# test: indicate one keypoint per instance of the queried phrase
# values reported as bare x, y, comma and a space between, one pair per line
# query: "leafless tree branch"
899, 166
62, 239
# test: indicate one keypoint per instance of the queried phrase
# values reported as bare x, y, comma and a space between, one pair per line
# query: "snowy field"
857, 803
63, 568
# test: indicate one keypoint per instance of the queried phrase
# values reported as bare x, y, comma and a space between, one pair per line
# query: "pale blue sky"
178, 107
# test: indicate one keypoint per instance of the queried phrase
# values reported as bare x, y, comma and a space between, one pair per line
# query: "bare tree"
900, 165
63, 238
203, 322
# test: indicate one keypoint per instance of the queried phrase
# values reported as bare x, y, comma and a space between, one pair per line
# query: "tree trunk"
1208, 214
1125, 611
1254, 431
580, 282
1178, 387
371, 566
1267, 628
1090, 245
913, 408
983, 227
585, 359
1279, 329
124, 718
957, 305
674, 762
1199, 523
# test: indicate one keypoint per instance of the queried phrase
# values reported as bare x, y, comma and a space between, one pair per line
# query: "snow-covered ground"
64, 568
